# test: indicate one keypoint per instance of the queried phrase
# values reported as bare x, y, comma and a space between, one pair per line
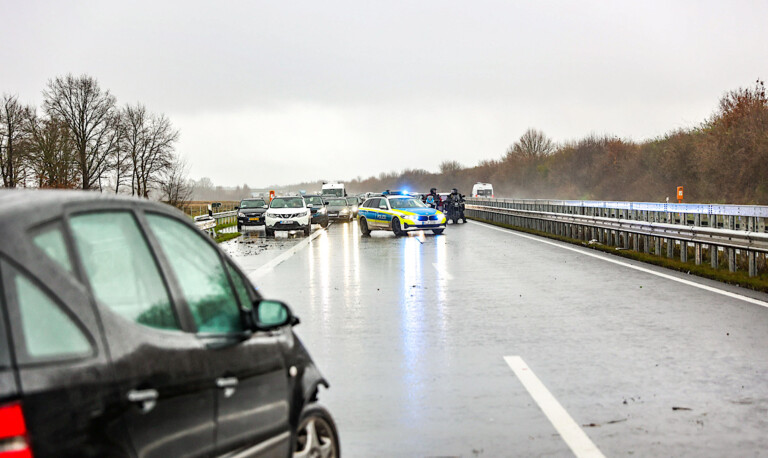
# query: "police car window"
405, 203
371, 203
121, 269
383, 204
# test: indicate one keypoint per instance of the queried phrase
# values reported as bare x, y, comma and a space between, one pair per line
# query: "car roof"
21, 209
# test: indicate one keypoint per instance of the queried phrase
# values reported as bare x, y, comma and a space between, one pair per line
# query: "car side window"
383, 204
51, 241
121, 269
49, 333
242, 285
372, 203
200, 273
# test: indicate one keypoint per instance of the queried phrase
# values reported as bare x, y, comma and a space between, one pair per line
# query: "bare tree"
176, 189
52, 155
148, 141
13, 115
531, 146
449, 167
91, 117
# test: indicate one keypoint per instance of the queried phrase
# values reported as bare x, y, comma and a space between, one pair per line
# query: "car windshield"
252, 203
352, 201
315, 200
337, 202
333, 192
405, 202
287, 202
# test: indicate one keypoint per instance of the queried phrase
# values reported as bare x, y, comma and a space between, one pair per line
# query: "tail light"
13, 432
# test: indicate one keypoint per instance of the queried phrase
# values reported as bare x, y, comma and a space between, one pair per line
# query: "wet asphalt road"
412, 332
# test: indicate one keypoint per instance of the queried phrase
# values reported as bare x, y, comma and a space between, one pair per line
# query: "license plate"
285, 222
254, 219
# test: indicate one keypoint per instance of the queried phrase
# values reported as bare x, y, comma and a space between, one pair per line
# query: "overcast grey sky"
268, 92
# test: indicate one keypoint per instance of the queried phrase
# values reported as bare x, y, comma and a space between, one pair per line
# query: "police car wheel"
396, 227
437, 231
364, 227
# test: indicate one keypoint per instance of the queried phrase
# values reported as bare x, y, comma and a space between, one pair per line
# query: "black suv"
250, 212
125, 331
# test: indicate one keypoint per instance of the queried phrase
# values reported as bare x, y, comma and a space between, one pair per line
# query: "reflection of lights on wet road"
412, 316
441, 262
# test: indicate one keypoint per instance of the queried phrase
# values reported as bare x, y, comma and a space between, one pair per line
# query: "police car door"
383, 216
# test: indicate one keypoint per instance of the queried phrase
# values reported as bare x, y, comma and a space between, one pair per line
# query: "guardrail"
208, 223
662, 229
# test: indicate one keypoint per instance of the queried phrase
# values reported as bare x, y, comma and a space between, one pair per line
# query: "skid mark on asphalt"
266, 268
631, 266
569, 430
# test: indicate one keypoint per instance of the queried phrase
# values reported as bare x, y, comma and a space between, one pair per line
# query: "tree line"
81, 139
724, 159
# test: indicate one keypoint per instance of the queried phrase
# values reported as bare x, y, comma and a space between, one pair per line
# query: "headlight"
344, 210
412, 217
270, 214
241, 215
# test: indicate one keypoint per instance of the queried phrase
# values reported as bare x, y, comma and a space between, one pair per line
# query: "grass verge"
224, 226
228, 236
739, 278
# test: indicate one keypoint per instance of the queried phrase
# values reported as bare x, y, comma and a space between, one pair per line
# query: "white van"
482, 190
334, 189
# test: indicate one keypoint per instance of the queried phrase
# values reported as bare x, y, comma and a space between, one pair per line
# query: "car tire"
364, 229
396, 228
437, 231
324, 223
317, 434
270, 232
308, 230
239, 228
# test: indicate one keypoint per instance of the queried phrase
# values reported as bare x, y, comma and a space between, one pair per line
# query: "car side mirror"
237, 208
269, 314
310, 205
265, 206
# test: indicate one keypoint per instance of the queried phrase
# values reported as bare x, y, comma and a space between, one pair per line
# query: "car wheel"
324, 223
308, 230
437, 231
316, 435
270, 232
364, 227
396, 228
239, 228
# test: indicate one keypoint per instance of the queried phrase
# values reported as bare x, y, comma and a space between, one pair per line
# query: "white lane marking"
569, 430
293, 250
443, 273
605, 257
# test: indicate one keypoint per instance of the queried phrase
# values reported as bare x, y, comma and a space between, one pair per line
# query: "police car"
398, 212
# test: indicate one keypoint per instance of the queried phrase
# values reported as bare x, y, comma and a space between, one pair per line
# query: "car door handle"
228, 384
146, 399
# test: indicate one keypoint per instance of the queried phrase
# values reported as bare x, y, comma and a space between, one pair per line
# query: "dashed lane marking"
569, 430
751, 300
266, 268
